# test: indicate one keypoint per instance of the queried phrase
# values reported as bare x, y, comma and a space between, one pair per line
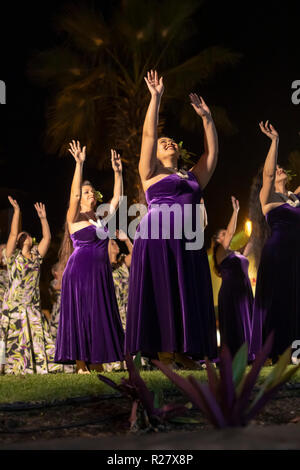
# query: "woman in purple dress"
277, 297
235, 299
170, 305
90, 331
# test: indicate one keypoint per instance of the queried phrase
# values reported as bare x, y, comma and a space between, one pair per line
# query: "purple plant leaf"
171, 410
212, 408
261, 403
109, 382
227, 390
184, 385
146, 397
242, 401
213, 379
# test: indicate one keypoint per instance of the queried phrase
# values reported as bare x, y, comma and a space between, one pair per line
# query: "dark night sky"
258, 88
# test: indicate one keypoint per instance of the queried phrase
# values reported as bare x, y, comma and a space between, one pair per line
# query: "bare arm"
231, 227
14, 229
148, 161
46, 240
269, 171
75, 196
297, 191
118, 182
206, 165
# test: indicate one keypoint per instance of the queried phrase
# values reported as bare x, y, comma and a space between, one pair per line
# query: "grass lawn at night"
33, 388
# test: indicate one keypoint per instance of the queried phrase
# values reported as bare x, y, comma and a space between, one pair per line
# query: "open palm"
269, 130
155, 84
199, 105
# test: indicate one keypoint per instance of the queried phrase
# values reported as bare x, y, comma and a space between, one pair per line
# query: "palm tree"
96, 75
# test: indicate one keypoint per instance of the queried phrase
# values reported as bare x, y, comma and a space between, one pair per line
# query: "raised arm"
269, 171
46, 240
148, 161
14, 229
75, 196
123, 237
231, 227
116, 164
206, 165
297, 191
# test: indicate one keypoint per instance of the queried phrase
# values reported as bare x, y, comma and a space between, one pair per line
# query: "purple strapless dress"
235, 302
89, 327
277, 298
170, 303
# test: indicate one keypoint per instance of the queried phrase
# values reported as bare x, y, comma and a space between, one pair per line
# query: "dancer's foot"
81, 368
82, 371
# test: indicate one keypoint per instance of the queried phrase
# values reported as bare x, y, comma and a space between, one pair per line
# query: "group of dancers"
169, 310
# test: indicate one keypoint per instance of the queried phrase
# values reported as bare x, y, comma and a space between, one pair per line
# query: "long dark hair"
260, 228
66, 246
214, 248
21, 240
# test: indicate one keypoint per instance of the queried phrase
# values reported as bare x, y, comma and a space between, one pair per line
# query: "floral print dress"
56, 296
29, 347
120, 274
53, 323
3, 286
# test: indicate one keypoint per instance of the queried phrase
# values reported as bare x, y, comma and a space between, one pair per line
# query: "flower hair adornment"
98, 196
290, 175
185, 155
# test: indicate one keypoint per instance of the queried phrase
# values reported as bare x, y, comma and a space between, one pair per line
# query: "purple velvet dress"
170, 302
277, 298
235, 302
89, 327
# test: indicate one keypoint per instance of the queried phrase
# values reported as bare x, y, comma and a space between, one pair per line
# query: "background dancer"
277, 300
29, 347
235, 298
90, 332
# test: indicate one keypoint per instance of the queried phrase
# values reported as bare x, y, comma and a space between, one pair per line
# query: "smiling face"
88, 200
113, 250
221, 236
281, 175
167, 150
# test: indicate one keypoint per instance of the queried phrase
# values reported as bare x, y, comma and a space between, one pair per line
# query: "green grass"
33, 388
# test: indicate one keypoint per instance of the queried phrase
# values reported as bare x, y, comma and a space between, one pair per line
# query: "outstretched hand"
269, 130
235, 204
14, 203
41, 210
199, 105
116, 162
77, 152
155, 84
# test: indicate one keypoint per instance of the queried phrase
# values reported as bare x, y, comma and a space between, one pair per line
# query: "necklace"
181, 173
291, 199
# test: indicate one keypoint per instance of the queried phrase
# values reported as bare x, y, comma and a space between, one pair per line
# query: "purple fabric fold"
89, 326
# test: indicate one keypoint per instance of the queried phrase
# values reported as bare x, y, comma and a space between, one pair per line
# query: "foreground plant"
146, 405
227, 400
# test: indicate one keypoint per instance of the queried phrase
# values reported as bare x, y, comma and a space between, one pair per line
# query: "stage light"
248, 227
